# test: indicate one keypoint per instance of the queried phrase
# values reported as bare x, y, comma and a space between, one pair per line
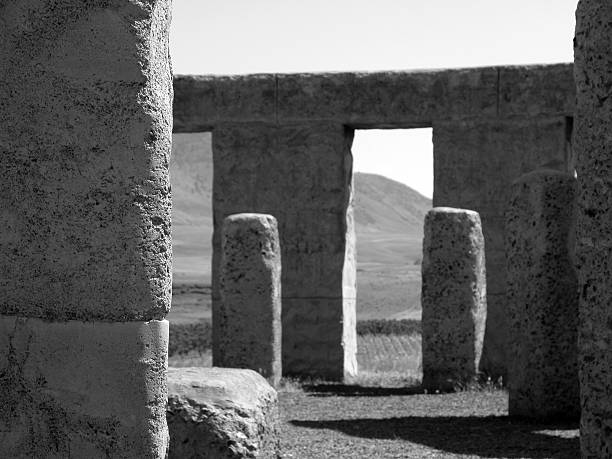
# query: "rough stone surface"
221, 413
302, 176
453, 297
85, 131
542, 297
249, 332
82, 389
404, 99
593, 72
475, 164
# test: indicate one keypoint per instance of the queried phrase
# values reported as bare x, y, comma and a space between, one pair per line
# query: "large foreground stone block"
542, 297
453, 297
221, 413
249, 332
82, 389
85, 132
593, 145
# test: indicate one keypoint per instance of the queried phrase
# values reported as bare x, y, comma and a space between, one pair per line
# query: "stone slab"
249, 332
453, 298
203, 101
593, 122
82, 389
85, 132
221, 413
476, 162
542, 297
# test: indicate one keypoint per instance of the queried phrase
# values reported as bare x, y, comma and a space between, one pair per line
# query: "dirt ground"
329, 421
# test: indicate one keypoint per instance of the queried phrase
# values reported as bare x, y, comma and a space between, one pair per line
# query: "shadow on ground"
343, 390
490, 436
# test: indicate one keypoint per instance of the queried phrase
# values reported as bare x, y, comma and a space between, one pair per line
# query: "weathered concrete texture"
221, 413
542, 297
82, 389
593, 71
85, 131
249, 308
302, 175
374, 100
475, 164
453, 297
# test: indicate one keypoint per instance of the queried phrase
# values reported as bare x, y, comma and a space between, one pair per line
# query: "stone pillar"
85, 279
475, 162
593, 146
453, 297
542, 297
301, 174
249, 333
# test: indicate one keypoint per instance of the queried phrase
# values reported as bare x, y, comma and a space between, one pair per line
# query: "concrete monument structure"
542, 297
247, 321
453, 297
85, 131
282, 145
593, 70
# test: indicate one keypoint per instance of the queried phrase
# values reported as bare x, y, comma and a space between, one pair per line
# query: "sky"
261, 36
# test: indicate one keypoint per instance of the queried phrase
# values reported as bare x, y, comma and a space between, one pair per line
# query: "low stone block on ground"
453, 297
543, 297
248, 334
221, 413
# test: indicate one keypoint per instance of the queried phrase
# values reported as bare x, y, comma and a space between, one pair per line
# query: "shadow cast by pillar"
490, 436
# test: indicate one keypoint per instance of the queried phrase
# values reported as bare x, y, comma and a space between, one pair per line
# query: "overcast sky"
254, 36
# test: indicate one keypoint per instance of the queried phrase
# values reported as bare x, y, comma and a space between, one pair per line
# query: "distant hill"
388, 214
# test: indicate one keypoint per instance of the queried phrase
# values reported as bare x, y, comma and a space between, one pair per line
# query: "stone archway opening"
393, 186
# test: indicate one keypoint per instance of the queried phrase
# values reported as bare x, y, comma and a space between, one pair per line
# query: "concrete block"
85, 132
453, 297
388, 99
302, 175
542, 297
593, 123
249, 332
82, 389
537, 90
319, 337
221, 413
476, 162
203, 101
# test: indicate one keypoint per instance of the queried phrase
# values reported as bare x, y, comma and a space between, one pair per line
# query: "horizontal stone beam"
407, 99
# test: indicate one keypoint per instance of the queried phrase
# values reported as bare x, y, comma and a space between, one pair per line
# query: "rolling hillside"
388, 215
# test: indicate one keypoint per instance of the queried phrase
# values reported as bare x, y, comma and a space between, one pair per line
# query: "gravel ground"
331, 421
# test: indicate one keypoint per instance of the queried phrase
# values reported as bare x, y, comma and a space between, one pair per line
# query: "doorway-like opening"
191, 178
393, 187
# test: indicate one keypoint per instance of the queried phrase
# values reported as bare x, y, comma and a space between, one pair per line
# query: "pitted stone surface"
453, 297
593, 72
476, 162
85, 131
302, 175
82, 389
221, 413
542, 297
249, 332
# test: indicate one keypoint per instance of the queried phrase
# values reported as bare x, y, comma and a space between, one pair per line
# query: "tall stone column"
542, 297
250, 306
475, 162
453, 297
302, 175
593, 146
85, 280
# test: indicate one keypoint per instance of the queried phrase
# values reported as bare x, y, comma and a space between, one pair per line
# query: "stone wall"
85, 276
281, 145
